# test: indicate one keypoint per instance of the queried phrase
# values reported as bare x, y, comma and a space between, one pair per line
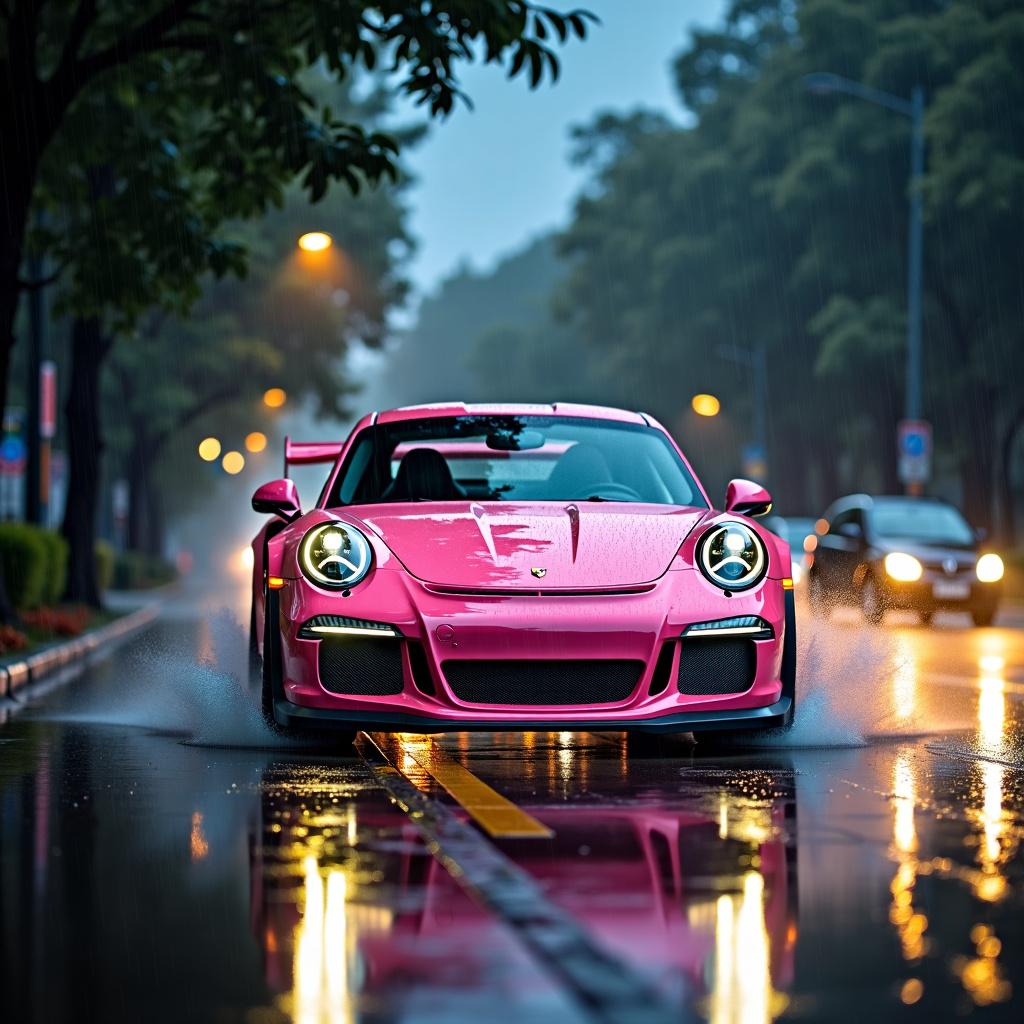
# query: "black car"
910, 553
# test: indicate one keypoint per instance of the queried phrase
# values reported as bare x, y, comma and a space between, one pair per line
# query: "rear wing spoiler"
308, 453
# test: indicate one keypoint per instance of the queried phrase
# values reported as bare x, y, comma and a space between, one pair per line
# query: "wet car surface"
162, 860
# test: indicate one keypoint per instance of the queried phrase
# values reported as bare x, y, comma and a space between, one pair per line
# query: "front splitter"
774, 716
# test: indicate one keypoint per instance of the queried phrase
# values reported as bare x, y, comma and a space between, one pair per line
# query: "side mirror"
278, 498
746, 498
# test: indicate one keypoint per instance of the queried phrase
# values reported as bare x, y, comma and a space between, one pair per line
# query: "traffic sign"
914, 448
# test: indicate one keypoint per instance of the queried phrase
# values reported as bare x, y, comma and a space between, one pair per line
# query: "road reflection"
352, 912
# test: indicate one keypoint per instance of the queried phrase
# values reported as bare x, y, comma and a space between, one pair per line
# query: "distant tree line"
778, 217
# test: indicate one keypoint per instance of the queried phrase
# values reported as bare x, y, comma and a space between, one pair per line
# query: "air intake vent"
532, 682
359, 666
711, 666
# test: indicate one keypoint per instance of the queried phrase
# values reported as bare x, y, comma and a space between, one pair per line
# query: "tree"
777, 219
207, 93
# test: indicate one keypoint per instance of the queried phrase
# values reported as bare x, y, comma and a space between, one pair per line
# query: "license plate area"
951, 590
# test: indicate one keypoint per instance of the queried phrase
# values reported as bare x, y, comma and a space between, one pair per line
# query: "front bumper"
933, 593
447, 627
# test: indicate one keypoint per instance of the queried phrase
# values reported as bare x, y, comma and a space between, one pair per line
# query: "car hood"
531, 546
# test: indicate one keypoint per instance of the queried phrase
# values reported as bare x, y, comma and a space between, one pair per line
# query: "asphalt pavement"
161, 859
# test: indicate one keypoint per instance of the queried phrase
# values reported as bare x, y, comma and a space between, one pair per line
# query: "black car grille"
543, 682
361, 666
713, 666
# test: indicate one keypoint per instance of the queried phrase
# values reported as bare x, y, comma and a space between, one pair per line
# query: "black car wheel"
271, 688
983, 616
871, 604
821, 605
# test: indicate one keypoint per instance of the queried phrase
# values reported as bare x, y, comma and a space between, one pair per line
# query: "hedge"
134, 570
28, 555
35, 565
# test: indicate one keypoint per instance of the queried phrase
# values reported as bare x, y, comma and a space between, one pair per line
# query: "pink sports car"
518, 567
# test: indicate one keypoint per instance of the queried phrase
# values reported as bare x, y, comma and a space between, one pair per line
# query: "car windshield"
793, 530
513, 458
927, 521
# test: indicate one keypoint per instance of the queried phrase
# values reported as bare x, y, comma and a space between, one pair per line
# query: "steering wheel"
612, 492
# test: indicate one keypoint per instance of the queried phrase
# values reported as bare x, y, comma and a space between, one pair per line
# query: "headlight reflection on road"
742, 991
910, 924
990, 818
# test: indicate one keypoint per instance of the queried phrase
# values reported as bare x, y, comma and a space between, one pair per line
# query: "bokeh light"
315, 241
209, 449
256, 441
705, 405
274, 398
233, 462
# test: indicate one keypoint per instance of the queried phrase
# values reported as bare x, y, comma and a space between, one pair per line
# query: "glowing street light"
256, 441
233, 462
315, 241
209, 449
705, 405
274, 398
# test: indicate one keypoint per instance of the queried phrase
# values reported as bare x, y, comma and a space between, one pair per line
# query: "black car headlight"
335, 555
732, 556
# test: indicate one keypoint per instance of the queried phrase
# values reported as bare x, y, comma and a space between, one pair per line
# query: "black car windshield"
513, 458
927, 521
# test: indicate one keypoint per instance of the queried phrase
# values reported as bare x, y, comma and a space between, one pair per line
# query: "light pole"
825, 82
756, 361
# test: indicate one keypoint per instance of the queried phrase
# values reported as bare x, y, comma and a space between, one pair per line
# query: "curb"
17, 674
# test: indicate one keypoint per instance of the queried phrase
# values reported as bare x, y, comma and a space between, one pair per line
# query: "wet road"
160, 862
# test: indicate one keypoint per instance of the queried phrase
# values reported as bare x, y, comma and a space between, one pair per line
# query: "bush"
56, 568
134, 570
105, 561
30, 557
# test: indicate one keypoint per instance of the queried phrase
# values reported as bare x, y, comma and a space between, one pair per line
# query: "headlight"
902, 567
732, 556
989, 568
335, 555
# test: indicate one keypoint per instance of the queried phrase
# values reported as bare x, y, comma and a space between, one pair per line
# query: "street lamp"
825, 83
756, 361
315, 241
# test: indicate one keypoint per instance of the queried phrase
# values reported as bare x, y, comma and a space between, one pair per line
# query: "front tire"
983, 616
871, 604
271, 688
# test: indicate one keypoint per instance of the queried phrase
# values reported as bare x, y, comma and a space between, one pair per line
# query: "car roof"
867, 501
574, 409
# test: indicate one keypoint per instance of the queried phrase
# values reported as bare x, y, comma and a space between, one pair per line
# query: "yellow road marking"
495, 814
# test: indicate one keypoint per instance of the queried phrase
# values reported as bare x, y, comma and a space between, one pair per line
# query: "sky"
493, 178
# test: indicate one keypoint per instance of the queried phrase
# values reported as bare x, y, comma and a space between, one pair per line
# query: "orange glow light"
315, 241
274, 398
705, 405
233, 462
787, 583
276, 582
256, 441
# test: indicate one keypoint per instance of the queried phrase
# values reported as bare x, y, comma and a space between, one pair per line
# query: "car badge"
950, 565
539, 572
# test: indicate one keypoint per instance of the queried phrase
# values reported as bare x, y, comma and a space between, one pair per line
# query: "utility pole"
37, 326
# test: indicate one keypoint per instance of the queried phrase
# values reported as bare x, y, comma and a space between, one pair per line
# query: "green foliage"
778, 218
56, 567
134, 570
31, 558
163, 126
105, 557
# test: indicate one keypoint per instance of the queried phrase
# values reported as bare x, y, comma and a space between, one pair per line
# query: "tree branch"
146, 37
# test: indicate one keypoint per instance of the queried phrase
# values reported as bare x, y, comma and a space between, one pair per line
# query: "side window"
841, 520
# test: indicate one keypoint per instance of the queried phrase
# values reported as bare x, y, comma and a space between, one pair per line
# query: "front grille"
361, 666
712, 666
543, 682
